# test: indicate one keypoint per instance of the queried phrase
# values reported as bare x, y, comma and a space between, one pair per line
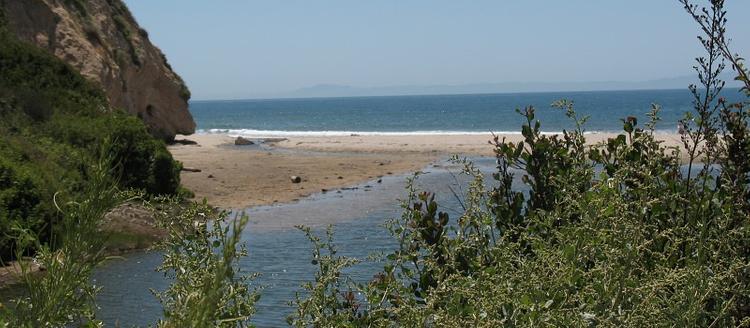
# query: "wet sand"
237, 177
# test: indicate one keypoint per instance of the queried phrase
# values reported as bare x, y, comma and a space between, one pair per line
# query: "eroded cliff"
104, 42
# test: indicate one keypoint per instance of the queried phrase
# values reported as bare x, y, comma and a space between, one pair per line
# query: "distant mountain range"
333, 90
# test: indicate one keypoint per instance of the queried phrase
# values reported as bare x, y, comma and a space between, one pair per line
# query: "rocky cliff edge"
104, 42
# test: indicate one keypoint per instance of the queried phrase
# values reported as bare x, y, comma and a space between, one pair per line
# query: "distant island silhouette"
338, 90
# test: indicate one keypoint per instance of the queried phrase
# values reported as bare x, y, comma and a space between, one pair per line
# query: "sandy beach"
236, 177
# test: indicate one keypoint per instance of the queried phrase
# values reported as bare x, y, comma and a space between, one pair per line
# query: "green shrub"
21, 203
143, 162
200, 257
64, 295
53, 123
613, 234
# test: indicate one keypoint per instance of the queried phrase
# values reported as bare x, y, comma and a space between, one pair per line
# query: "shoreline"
240, 177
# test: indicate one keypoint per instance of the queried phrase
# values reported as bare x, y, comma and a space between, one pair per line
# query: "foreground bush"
200, 257
201, 254
623, 233
64, 295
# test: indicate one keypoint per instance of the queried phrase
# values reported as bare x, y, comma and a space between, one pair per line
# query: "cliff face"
103, 41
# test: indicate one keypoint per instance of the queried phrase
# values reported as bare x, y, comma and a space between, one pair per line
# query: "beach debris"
184, 142
389, 173
240, 141
354, 135
324, 190
340, 178
380, 180
210, 176
295, 179
274, 140
190, 169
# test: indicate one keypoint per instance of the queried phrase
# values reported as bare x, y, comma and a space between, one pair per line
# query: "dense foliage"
200, 258
52, 125
622, 233
64, 294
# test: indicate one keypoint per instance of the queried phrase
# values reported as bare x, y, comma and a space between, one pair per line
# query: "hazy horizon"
268, 49
346, 91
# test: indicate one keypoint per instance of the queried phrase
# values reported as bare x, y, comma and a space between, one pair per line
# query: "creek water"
281, 253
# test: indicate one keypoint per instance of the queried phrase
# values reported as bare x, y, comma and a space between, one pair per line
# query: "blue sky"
241, 49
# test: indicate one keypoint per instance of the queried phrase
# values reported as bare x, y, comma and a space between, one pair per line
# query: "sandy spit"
237, 177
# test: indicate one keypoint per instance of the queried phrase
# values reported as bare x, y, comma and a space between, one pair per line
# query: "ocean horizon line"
262, 98
291, 133
518, 92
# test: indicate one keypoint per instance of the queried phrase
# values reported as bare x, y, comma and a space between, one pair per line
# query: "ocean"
439, 114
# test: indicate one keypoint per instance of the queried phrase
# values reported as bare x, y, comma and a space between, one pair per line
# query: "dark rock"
184, 142
240, 141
